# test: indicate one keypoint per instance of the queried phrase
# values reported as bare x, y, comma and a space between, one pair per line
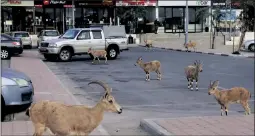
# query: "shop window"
38, 16
49, 17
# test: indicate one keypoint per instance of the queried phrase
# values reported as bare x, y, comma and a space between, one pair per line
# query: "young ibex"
190, 44
233, 95
148, 44
66, 120
97, 54
192, 73
149, 67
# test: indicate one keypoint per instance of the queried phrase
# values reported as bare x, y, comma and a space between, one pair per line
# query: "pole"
230, 29
73, 13
186, 22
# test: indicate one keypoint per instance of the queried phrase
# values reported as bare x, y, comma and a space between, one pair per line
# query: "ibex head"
213, 87
199, 65
108, 100
139, 61
89, 50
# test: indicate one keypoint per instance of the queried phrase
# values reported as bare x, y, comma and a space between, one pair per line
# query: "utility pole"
186, 22
230, 22
73, 9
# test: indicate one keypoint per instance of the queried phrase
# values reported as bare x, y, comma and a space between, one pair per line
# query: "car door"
98, 41
40, 38
83, 41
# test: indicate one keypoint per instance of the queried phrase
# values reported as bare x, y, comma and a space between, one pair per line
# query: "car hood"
11, 73
56, 40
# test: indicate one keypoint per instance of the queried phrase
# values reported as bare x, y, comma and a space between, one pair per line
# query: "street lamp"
186, 22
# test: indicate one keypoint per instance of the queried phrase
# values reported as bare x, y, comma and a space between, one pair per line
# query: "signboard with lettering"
52, 3
27, 3
202, 2
136, 3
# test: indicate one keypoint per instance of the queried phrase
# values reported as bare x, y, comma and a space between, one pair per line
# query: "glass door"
178, 20
59, 20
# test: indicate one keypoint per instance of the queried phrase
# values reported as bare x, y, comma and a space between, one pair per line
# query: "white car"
47, 35
249, 45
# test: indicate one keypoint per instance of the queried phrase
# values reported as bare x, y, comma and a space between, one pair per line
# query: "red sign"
14, 1
46, 2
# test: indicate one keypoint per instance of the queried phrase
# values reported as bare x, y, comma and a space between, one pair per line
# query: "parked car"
10, 46
77, 41
26, 40
249, 45
17, 92
47, 35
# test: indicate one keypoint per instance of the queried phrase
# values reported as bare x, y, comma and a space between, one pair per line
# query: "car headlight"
6, 81
52, 45
21, 82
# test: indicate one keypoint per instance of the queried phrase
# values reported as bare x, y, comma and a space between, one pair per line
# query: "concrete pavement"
47, 87
207, 125
168, 98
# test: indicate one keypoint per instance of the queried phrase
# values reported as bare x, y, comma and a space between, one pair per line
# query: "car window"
97, 34
21, 35
4, 38
84, 35
70, 34
51, 33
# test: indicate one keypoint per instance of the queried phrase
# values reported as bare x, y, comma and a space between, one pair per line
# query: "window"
21, 35
168, 12
84, 35
97, 34
51, 33
70, 34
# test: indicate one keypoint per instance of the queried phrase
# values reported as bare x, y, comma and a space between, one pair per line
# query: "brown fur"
97, 54
228, 96
64, 120
148, 44
150, 67
192, 73
190, 44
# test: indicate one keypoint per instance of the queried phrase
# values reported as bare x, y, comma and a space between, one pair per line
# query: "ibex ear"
106, 94
216, 83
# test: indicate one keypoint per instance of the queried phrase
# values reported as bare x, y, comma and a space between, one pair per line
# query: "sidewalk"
209, 125
47, 87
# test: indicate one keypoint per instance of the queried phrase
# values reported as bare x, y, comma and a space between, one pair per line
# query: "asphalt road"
167, 98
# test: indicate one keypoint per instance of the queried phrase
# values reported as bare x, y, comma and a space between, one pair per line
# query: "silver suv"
77, 41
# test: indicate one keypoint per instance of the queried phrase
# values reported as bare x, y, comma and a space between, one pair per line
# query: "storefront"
17, 15
172, 15
96, 12
136, 15
53, 14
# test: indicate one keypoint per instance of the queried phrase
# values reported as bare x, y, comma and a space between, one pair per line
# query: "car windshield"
70, 34
51, 33
21, 35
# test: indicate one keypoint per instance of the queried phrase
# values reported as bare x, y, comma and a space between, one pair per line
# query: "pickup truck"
77, 41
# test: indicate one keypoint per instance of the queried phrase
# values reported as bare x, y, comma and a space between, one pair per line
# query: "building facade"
172, 15
65, 14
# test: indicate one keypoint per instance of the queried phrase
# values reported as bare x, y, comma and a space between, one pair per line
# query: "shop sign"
202, 2
62, 2
14, 1
136, 3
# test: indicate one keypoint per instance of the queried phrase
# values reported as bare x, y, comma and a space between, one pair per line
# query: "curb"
210, 53
153, 128
100, 128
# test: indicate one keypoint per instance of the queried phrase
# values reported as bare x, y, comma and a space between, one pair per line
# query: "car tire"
251, 47
5, 53
30, 47
65, 54
112, 53
50, 57
3, 114
37, 45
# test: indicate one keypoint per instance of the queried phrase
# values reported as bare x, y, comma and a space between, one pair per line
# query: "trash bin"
130, 39
206, 29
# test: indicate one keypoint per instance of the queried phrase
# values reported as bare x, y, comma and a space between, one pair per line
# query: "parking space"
167, 98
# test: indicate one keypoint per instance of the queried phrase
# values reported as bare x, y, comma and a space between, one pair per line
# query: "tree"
247, 18
216, 16
131, 13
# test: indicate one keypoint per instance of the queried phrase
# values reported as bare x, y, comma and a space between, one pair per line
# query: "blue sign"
227, 15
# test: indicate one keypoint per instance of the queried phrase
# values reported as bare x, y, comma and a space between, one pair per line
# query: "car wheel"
65, 54
3, 109
5, 54
50, 57
112, 53
251, 47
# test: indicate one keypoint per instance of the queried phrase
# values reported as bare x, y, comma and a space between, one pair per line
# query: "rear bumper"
16, 50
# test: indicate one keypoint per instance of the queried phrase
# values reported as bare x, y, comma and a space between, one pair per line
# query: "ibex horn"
104, 85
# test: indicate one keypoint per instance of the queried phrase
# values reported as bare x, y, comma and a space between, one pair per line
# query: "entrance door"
59, 21
178, 20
